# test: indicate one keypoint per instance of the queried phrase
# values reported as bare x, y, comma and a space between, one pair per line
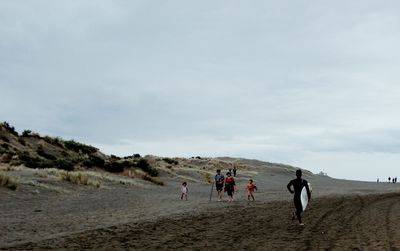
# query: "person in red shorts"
250, 189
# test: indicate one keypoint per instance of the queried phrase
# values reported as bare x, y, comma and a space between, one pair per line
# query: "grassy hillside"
35, 151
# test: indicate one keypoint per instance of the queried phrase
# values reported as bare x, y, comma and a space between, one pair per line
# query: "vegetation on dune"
79, 147
94, 161
114, 167
145, 166
8, 182
79, 178
171, 161
34, 151
9, 128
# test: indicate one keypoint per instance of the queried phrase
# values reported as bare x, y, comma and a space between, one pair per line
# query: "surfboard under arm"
304, 198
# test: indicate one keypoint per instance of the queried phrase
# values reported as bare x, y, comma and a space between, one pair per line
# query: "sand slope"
368, 222
342, 215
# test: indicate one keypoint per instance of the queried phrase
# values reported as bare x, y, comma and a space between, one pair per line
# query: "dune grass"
79, 178
8, 182
142, 175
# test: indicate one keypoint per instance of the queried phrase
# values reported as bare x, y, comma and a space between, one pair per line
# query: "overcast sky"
313, 84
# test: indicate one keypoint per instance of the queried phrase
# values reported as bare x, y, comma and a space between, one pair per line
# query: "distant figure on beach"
377, 180
250, 189
298, 185
234, 171
219, 184
229, 186
184, 191
389, 179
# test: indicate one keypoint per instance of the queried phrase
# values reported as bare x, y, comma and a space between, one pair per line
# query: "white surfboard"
304, 198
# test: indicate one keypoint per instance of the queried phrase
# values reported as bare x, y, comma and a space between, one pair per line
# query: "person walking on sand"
298, 185
219, 184
184, 191
389, 179
250, 189
229, 186
234, 171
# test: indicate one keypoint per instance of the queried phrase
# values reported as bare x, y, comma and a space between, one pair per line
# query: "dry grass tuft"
8, 182
208, 178
153, 180
78, 178
142, 175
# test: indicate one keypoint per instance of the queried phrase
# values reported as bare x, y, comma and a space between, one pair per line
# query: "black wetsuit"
298, 185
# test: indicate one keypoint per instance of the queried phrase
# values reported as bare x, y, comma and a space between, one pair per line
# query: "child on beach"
184, 190
250, 189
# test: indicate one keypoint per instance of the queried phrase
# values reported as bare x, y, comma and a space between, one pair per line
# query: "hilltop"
29, 155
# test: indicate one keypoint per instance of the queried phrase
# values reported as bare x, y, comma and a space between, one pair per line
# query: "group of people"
394, 180
227, 184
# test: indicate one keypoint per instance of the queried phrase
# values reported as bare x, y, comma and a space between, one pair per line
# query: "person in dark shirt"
298, 185
219, 184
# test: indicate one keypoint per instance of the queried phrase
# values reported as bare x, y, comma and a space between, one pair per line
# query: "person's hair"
218, 171
184, 183
298, 173
251, 180
228, 173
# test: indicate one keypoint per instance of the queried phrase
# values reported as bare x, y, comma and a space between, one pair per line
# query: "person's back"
298, 184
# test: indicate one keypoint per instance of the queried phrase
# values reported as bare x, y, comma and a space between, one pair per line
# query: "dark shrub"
5, 145
45, 155
65, 164
21, 141
114, 167
9, 128
53, 141
35, 162
145, 166
26, 133
198, 157
29, 161
136, 156
153, 180
4, 138
94, 161
171, 161
114, 157
78, 147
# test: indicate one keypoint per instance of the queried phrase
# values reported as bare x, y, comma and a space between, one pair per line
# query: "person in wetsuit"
298, 185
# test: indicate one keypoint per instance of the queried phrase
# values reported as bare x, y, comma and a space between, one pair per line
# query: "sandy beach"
352, 222
342, 215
